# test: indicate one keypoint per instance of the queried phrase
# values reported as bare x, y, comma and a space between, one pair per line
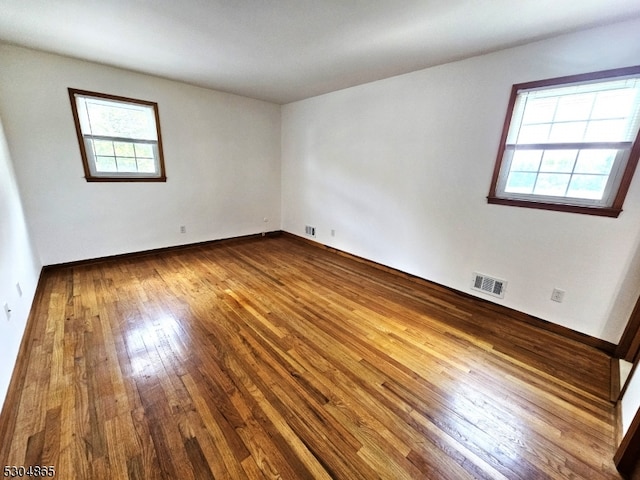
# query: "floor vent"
490, 285
309, 230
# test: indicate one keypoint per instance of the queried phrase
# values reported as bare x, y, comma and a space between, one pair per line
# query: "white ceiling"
287, 50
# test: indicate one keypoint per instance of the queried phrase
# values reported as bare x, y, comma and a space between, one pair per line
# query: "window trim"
626, 174
116, 176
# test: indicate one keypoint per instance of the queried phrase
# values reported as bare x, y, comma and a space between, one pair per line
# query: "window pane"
124, 149
520, 182
103, 147
567, 132
146, 165
539, 110
558, 161
144, 150
534, 133
595, 161
607, 131
119, 119
552, 184
574, 107
126, 164
587, 186
526, 160
106, 164
614, 104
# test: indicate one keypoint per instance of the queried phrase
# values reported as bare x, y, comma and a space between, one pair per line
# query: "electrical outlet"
557, 295
333, 233
183, 229
7, 311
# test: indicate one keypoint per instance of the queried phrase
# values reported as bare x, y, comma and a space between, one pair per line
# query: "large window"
570, 143
119, 137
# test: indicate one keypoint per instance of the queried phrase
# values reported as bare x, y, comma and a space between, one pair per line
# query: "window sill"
558, 207
126, 179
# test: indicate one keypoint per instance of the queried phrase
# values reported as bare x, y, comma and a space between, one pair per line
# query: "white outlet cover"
557, 295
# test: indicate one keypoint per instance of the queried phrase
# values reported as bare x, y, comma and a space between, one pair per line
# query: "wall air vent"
490, 285
309, 230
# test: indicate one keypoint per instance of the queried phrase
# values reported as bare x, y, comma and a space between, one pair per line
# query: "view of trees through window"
120, 137
543, 162
569, 142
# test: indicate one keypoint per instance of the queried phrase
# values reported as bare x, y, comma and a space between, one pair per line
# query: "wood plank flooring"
270, 358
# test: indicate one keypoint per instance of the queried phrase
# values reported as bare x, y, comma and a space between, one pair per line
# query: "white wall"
400, 169
18, 264
222, 157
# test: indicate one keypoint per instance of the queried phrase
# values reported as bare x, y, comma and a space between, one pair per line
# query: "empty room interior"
320, 239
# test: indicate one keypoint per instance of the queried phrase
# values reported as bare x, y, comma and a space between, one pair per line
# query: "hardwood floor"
271, 358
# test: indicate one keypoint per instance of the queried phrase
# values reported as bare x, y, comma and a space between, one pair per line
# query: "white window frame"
86, 140
622, 168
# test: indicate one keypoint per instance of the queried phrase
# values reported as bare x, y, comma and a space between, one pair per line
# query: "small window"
570, 144
119, 137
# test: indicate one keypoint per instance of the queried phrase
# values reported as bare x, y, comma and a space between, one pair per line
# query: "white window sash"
88, 142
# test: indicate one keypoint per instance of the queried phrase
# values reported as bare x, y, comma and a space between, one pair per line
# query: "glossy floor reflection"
271, 358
